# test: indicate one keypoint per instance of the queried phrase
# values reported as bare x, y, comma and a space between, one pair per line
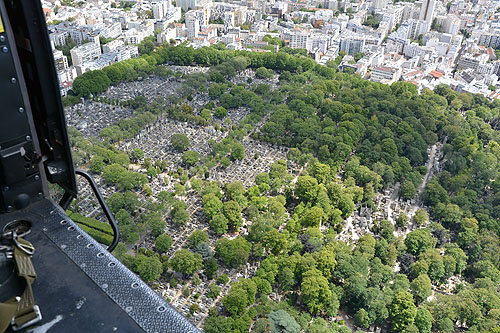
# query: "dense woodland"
352, 138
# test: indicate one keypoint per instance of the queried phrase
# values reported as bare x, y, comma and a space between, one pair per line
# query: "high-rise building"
352, 45
188, 4
85, 53
160, 9
379, 4
489, 39
298, 40
427, 11
192, 25
60, 60
451, 24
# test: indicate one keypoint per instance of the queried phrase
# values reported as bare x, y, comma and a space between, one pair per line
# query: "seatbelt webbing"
7, 312
21, 311
25, 308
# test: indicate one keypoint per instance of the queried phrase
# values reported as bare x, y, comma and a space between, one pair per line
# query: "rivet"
10, 208
37, 177
28, 138
13, 80
40, 194
21, 109
5, 188
2, 38
5, 49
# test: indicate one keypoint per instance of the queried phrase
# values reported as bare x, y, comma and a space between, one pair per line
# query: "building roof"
436, 74
385, 69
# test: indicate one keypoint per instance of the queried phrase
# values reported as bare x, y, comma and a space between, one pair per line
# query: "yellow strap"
7, 311
24, 267
21, 310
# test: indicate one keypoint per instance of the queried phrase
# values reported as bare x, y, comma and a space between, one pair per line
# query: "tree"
315, 290
286, 278
313, 217
214, 291
263, 73
197, 237
187, 262
434, 193
306, 188
423, 320
418, 241
282, 322
220, 112
219, 223
402, 220
401, 283
362, 319
240, 296
190, 157
407, 190
211, 205
136, 154
204, 249
421, 287
178, 213
234, 191
233, 252
237, 151
97, 165
458, 254
218, 324
163, 243
276, 241
402, 311
420, 217
210, 267
148, 268
180, 142
445, 325
113, 173
232, 211
196, 279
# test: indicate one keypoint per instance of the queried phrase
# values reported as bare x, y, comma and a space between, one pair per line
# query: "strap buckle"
26, 247
38, 314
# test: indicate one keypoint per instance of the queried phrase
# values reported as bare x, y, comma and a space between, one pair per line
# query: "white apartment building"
60, 60
166, 35
126, 52
86, 52
468, 60
113, 45
385, 74
352, 45
427, 11
192, 25
490, 40
112, 31
160, 9
451, 24
59, 38
298, 40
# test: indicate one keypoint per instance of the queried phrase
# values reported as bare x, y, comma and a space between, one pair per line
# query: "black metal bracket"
67, 198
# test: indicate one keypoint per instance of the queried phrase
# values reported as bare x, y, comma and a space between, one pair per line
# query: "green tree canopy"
187, 262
